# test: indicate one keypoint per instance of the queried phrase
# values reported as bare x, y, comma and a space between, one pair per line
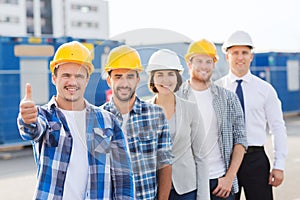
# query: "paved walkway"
18, 171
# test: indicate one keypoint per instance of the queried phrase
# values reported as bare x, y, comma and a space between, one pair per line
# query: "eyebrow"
126, 74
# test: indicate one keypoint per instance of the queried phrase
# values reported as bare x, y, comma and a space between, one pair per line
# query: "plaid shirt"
230, 120
149, 144
110, 174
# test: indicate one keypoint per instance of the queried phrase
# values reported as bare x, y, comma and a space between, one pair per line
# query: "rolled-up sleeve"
239, 131
164, 154
32, 131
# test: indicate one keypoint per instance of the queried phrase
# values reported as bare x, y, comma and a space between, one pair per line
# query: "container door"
35, 72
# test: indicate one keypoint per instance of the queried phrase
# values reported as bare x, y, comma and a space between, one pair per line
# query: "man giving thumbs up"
79, 148
28, 110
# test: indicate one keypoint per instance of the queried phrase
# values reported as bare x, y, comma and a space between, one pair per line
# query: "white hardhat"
164, 59
238, 38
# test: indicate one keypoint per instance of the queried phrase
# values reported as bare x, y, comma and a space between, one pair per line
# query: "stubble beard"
125, 99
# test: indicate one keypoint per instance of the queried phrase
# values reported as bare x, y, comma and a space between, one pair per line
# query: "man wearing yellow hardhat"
262, 109
144, 125
223, 119
79, 149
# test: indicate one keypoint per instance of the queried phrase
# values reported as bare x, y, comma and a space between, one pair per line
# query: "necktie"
239, 92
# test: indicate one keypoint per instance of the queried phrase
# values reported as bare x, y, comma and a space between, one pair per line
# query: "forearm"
236, 160
31, 131
164, 182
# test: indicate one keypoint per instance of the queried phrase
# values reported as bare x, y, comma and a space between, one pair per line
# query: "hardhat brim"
108, 69
156, 67
188, 56
226, 47
90, 67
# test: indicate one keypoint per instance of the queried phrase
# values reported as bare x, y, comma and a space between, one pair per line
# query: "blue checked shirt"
230, 120
110, 173
149, 144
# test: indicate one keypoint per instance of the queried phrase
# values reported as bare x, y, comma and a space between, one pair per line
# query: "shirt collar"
137, 108
53, 103
246, 78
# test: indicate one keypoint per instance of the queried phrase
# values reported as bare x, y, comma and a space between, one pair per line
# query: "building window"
9, 19
84, 8
29, 17
14, 2
46, 17
85, 24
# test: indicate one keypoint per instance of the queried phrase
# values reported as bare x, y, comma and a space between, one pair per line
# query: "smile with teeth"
203, 72
71, 89
124, 90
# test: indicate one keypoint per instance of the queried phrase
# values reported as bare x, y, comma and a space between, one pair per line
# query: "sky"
274, 25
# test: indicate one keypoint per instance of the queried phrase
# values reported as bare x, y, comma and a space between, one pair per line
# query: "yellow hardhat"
73, 52
123, 57
202, 46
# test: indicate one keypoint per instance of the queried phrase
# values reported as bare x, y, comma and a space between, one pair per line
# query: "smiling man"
144, 125
80, 149
222, 116
263, 113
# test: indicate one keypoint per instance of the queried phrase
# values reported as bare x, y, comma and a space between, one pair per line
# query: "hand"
223, 188
28, 110
276, 177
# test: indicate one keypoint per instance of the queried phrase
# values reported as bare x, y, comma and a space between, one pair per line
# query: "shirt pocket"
148, 143
102, 140
52, 135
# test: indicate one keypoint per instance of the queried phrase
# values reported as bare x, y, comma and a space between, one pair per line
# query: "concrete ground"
18, 171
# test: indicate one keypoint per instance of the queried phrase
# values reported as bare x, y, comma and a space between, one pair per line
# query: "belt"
252, 149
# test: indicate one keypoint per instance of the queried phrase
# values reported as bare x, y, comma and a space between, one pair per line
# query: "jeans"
187, 196
213, 184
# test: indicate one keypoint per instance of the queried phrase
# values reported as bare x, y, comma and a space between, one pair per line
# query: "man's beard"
125, 99
72, 99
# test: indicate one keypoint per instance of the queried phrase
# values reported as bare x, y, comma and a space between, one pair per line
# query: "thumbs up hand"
28, 109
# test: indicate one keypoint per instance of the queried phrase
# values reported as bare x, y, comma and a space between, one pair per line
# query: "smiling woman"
189, 175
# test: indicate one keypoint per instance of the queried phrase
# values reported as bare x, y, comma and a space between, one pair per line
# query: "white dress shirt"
262, 111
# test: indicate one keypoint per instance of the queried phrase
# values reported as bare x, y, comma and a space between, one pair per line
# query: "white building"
57, 18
